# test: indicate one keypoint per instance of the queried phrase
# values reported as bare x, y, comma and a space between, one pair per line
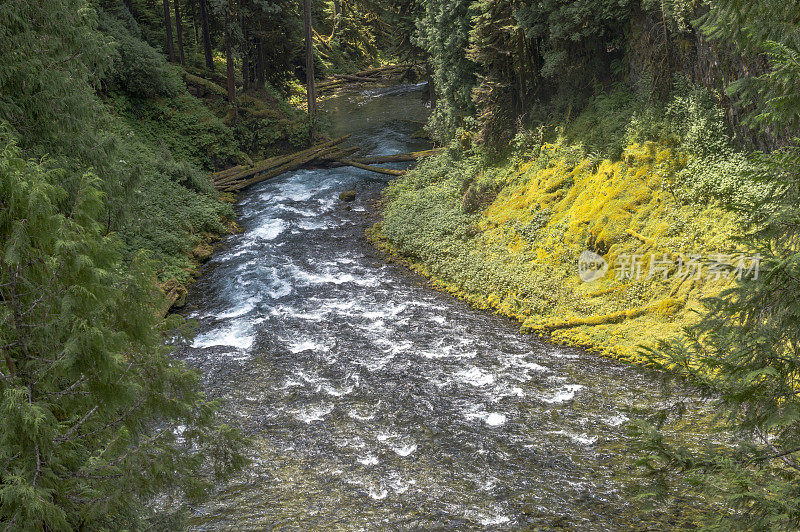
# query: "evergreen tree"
97, 418
443, 32
745, 352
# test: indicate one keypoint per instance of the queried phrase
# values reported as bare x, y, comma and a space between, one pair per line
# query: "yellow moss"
612, 208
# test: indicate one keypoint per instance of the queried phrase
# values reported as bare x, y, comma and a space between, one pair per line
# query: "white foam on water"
616, 421
293, 190
239, 310
325, 277
291, 383
311, 379
495, 419
226, 257
405, 450
280, 289
378, 494
583, 439
327, 204
337, 392
447, 352
297, 313
399, 486
360, 417
494, 520
269, 230
395, 347
307, 345
476, 377
302, 212
533, 366
387, 311
375, 364
492, 419
567, 393
314, 413
238, 334
313, 225
369, 460
441, 320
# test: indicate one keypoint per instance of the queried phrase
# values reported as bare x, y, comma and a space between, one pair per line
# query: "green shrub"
138, 69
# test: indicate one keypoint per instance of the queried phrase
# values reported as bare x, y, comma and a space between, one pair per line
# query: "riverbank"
372, 400
508, 237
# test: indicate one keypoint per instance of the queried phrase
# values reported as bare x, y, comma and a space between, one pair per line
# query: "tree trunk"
337, 14
260, 73
231, 79
194, 23
168, 29
206, 34
245, 60
179, 32
431, 85
311, 90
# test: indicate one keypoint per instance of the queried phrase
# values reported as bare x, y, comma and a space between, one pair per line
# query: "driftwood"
233, 180
326, 154
350, 77
398, 158
380, 70
241, 172
376, 169
370, 75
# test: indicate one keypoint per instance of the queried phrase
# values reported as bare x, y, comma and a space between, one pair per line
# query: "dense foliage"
705, 82
102, 194
528, 62
97, 419
613, 125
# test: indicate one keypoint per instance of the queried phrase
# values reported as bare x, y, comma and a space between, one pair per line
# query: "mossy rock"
202, 252
348, 195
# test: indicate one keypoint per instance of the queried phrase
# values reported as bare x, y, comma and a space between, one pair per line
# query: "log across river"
376, 403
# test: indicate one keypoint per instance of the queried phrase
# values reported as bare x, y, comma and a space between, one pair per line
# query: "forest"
625, 129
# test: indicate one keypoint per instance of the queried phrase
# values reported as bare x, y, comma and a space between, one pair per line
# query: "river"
375, 402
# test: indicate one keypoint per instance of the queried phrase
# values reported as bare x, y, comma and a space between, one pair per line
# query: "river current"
375, 402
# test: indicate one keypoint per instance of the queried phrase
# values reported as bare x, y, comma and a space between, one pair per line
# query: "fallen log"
227, 177
376, 169
335, 155
218, 176
331, 84
364, 79
299, 160
207, 85
665, 306
371, 75
398, 158
380, 70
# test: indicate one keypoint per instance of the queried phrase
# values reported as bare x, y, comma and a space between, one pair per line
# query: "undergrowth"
651, 182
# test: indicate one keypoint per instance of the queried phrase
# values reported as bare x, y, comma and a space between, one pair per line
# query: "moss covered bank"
508, 236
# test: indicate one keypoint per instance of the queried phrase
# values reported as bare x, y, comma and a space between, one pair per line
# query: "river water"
375, 402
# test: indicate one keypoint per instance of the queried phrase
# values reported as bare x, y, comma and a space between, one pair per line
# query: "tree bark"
311, 90
194, 23
231, 79
168, 29
260, 73
337, 14
206, 34
245, 61
179, 32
